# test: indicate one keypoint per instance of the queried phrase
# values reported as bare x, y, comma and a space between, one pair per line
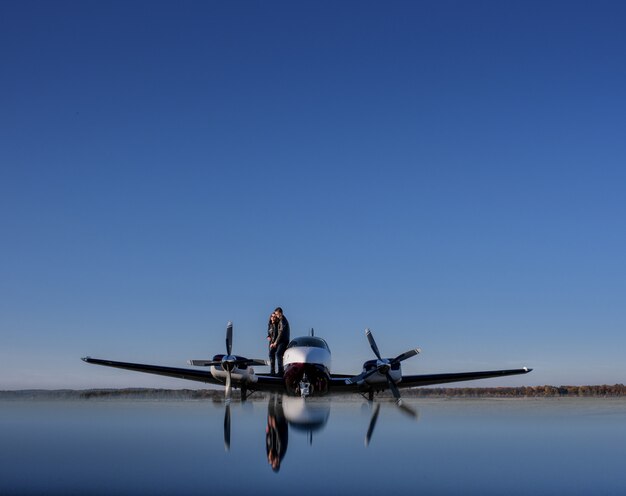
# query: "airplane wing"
338, 381
268, 383
263, 383
339, 385
430, 379
189, 374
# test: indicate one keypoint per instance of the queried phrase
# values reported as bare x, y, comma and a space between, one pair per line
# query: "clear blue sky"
450, 174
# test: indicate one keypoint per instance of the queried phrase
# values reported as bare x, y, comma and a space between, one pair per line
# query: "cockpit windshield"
309, 341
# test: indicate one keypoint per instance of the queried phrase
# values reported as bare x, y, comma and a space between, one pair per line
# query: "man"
272, 330
281, 338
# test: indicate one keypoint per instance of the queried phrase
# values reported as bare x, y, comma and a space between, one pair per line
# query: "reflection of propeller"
374, 418
407, 409
383, 366
227, 426
370, 429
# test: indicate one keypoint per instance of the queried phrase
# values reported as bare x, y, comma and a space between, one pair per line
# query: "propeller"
370, 429
229, 362
374, 418
383, 366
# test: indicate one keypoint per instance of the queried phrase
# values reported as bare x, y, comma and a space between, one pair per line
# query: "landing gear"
305, 386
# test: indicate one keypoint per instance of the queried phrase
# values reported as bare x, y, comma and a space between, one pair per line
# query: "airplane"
307, 371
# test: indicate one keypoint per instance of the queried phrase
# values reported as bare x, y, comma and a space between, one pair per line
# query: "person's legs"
272, 361
280, 351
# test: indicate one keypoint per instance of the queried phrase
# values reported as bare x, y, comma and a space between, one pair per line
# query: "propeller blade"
260, 362
251, 361
228, 386
405, 355
229, 338
361, 377
393, 387
370, 338
204, 363
227, 427
370, 429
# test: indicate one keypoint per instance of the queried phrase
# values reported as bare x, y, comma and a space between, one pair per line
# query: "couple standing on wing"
278, 337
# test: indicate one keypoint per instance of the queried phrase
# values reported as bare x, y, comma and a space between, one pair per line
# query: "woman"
272, 330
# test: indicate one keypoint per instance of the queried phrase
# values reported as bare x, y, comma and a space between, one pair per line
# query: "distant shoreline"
600, 391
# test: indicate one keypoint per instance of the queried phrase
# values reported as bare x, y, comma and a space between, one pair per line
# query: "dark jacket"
272, 330
282, 334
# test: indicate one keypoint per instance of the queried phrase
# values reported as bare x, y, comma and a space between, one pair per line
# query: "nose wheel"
304, 386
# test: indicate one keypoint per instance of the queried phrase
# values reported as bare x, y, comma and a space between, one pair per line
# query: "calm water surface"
547, 446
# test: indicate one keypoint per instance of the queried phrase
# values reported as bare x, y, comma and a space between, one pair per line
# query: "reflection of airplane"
286, 413
307, 371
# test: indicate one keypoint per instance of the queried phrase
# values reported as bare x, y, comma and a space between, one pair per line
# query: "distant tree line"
217, 395
152, 393
106, 394
603, 391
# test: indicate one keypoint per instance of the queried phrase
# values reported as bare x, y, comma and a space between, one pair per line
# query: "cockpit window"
309, 341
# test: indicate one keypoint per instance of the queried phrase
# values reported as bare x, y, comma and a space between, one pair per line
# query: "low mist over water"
281, 445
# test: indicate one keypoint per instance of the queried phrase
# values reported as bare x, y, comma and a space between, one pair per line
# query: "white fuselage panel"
307, 354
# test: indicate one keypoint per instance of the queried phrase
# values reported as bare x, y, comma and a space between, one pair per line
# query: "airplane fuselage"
307, 367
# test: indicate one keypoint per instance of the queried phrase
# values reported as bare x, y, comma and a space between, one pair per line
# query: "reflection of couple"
278, 337
276, 432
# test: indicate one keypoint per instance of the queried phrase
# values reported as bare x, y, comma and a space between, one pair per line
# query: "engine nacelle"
395, 371
238, 375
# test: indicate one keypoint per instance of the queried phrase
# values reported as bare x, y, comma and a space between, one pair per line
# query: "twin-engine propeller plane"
307, 366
